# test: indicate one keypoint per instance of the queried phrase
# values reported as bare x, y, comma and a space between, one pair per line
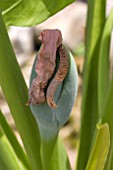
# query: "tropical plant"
38, 126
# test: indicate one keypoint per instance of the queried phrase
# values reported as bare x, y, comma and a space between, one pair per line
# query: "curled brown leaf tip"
45, 66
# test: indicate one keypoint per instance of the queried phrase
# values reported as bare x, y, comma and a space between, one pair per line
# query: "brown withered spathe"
45, 66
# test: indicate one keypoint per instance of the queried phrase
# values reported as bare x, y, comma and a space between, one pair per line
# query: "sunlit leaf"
100, 148
29, 13
107, 116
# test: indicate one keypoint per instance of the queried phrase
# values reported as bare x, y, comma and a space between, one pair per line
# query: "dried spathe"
45, 67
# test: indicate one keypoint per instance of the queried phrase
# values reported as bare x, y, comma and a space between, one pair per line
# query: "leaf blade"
100, 148
8, 159
13, 141
106, 88
27, 13
16, 94
107, 117
7, 4
96, 16
104, 65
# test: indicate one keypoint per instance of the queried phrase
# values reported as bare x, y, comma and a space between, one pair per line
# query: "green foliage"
106, 89
31, 12
15, 91
97, 60
100, 149
43, 149
95, 24
8, 158
17, 98
7, 4
13, 141
104, 65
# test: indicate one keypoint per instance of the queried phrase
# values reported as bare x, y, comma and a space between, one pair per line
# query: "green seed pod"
50, 119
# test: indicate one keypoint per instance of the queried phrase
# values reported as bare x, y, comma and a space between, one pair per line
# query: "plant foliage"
39, 126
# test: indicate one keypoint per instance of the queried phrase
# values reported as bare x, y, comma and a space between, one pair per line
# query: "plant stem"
54, 156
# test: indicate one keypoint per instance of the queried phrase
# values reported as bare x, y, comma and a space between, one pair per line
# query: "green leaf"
106, 88
8, 159
107, 116
100, 148
95, 24
29, 13
16, 94
5, 4
104, 70
13, 141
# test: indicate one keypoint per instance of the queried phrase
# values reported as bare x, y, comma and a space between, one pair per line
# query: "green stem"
54, 156
50, 156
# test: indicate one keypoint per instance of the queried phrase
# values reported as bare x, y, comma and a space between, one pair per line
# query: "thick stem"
54, 156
